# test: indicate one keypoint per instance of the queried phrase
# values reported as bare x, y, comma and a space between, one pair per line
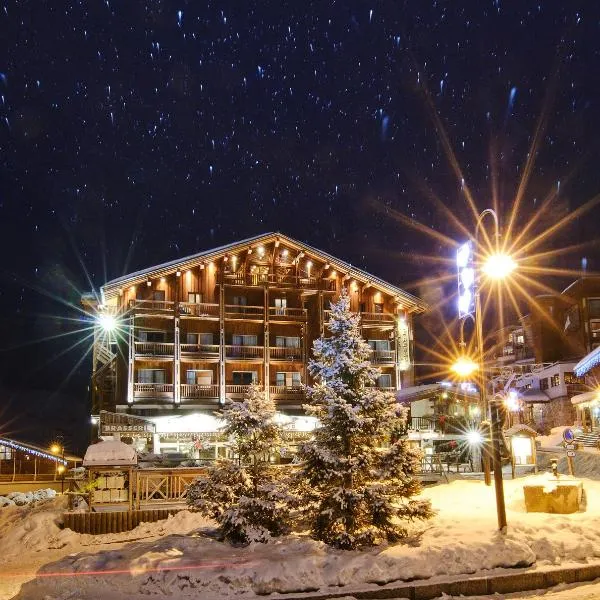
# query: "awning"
520, 428
585, 397
588, 362
534, 396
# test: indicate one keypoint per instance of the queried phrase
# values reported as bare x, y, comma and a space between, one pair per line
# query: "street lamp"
58, 448
496, 265
464, 366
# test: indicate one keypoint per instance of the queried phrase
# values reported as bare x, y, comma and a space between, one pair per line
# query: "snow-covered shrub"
4, 501
246, 496
356, 476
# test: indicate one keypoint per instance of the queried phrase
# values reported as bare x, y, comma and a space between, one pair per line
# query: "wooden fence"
98, 523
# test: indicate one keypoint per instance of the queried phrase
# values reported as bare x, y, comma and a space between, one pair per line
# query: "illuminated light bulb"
498, 266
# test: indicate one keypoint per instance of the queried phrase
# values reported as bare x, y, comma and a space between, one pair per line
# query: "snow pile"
23, 498
555, 438
460, 539
585, 464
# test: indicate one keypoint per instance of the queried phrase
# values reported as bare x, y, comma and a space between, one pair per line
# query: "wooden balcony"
380, 357
236, 311
373, 317
203, 311
421, 424
283, 391
368, 318
286, 314
280, 281
190, 391
284, 353
244, 352
389, 390
153, 391
154, 349
152, 307
201, 350
236, 390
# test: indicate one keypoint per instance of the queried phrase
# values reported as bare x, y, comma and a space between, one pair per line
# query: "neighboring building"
513, 344
194, 331
587, 404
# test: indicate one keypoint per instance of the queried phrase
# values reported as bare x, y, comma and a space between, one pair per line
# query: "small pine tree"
356, 479
245, 496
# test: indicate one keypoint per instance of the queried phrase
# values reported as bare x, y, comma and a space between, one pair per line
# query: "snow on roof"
109, 453
532, 395
585, 397
112, 287
588, 362
416, 391
521, 428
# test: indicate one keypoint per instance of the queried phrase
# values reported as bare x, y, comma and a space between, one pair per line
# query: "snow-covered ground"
158, 559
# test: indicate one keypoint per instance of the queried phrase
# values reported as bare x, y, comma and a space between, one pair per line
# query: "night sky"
132, 133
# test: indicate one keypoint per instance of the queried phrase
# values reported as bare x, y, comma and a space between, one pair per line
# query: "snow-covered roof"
533, 395
585, 397
109, 453
521, 428
588, 362
112, 287
418, 391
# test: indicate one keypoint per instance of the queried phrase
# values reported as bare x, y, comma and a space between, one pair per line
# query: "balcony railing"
153, 390
252, 279
284, 390
244, 352
236, 390
382, 356
152, 306
154, 348
375, 317
287, 314
386, 389
421, 424
367, 317
285, 353
236, 311
197, 390
199, 310
201, 349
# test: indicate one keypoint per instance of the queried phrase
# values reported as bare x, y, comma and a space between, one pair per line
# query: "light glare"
498, 266
107, 322
464, 366
463, 255
474, 437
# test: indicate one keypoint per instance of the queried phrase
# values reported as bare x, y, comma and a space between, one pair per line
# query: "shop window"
572, 379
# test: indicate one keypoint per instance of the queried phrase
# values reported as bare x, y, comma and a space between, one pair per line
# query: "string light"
16, 446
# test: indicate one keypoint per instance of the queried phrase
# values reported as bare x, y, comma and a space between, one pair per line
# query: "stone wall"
554, 413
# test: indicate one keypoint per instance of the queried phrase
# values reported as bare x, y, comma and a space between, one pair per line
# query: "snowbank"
461, 539
22, 498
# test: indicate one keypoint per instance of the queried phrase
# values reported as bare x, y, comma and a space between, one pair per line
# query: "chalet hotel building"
172, 341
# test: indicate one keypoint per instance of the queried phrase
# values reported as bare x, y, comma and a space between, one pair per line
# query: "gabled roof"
112, 287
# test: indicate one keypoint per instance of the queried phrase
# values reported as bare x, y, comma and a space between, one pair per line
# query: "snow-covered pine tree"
246, 495
356, 477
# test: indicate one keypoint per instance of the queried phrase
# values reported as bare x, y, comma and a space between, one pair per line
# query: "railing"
236, 389
382, 356
203, 349
295, 314
152, 305
154, 348
199, 310
238, 311
376, 317
244, 352
197, 390
285, 353
284, 390
386, 389
366, 317
279, 281
421, 424
153, 390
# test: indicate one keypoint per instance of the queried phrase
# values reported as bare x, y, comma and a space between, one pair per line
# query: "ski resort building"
173, 341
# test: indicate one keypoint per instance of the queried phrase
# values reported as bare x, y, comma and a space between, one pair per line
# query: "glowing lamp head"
474, 437
499, 266
465, 302
55, 449
61, 469
512, 401
107, 322
464, 367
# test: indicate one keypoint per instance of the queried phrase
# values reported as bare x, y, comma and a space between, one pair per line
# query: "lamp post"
58, 449
496, 265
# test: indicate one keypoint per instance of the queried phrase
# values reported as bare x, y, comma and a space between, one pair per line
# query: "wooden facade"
194, 331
